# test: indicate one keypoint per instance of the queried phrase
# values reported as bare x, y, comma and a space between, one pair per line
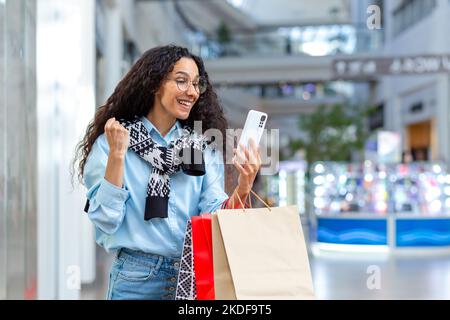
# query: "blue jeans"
142, 276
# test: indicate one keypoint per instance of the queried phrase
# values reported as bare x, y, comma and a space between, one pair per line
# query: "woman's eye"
181, 80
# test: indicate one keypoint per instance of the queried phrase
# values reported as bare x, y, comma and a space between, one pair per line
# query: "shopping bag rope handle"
250, 200
240, 201
260, 199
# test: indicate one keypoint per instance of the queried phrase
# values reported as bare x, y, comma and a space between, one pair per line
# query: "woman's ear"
158, 93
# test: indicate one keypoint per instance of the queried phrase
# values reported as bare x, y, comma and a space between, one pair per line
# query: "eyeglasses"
183, 84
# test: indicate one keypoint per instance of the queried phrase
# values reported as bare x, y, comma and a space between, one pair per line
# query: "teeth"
184, 102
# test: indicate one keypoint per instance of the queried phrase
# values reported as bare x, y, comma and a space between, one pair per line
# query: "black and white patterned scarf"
185, 153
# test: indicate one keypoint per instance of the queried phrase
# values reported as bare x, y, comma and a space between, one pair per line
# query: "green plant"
332, 133
223, 33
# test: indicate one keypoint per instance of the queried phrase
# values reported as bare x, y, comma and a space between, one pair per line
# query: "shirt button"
173, 279
171, 289
176, 264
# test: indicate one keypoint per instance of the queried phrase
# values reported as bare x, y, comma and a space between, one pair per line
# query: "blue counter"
397, 230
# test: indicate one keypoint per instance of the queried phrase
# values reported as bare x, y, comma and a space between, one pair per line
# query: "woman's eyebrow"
186, 74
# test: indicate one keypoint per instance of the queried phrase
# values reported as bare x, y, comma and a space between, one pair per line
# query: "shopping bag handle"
240, 201
250, 200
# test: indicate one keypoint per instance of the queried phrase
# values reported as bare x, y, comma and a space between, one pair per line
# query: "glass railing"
308, 40
301, 91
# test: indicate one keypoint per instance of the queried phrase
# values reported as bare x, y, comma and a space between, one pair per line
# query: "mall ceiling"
252, 15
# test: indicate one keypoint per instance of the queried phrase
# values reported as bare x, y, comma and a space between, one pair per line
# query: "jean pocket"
132, 271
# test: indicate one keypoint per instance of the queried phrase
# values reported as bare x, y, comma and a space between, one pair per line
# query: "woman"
142, 188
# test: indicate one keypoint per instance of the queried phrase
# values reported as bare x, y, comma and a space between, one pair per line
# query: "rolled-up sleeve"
213, 186
107, 202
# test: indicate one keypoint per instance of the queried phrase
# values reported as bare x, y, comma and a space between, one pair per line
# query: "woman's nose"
191, 90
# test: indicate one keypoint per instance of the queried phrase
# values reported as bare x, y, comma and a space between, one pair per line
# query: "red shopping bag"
203, 256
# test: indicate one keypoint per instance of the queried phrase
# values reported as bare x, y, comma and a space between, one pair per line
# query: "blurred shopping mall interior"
357, 94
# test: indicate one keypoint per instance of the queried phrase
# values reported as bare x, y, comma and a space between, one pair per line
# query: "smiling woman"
142, 189
177, 95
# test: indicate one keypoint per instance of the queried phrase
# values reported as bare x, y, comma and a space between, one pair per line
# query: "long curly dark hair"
135, 96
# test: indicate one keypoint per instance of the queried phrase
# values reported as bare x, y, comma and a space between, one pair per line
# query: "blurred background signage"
372, 67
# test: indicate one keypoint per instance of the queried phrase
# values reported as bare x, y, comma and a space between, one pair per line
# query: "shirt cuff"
111, 195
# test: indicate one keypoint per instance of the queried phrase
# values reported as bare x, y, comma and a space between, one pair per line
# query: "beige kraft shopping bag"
223, 283
260, 254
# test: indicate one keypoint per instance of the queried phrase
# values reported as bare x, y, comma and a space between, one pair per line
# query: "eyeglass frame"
190, 82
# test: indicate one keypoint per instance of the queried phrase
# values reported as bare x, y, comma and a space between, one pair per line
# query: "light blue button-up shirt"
118, 213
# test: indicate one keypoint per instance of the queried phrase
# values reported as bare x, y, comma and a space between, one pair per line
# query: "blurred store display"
421, 188
388, 205
287, 187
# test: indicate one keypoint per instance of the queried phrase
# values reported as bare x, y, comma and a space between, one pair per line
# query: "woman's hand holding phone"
247, 161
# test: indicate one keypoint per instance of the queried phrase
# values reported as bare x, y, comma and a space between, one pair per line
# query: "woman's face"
172, 97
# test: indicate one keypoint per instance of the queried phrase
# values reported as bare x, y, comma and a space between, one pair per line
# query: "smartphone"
253, 128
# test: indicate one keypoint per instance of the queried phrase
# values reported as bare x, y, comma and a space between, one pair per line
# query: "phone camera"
263, 118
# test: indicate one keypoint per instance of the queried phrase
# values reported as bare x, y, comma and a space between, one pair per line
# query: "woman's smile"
185, 104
